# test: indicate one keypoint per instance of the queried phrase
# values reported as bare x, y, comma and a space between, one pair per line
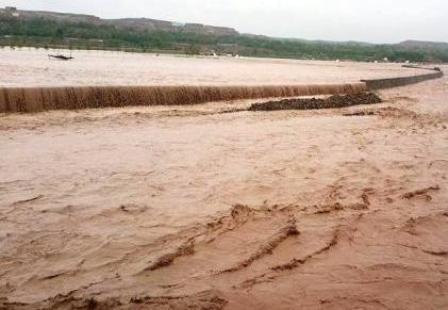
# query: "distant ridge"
64, 30
138, 24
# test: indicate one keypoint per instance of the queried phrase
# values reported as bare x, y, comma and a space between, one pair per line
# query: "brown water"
181, 207
37, 99
33, 68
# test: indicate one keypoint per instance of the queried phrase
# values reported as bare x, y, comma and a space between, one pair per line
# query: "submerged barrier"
24, 99
36, 99
376, 84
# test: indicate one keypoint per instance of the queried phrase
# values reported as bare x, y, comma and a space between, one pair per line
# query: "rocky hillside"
137, 24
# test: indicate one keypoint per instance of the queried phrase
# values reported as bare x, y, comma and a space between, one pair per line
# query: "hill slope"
42, 29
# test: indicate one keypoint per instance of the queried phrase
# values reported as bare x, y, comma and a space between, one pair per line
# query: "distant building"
11, 10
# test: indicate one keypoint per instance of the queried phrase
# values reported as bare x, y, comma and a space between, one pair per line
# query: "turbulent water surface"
187, 207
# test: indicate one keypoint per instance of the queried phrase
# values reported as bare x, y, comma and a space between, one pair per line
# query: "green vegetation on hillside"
39, 32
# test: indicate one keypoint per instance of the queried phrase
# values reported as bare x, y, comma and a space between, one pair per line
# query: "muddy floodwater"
185, 207
27, 67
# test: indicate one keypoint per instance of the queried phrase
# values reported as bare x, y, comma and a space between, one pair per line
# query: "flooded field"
188, 207
33, 68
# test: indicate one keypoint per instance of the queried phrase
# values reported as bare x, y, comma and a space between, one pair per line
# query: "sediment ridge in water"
335, 101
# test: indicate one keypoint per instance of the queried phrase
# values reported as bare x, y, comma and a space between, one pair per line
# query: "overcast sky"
380, 21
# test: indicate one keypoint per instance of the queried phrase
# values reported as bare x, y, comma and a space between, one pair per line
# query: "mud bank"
336, 101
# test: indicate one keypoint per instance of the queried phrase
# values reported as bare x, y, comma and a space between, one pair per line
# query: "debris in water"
60, 57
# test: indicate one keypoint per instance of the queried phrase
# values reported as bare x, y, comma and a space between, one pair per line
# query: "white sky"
379, 21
